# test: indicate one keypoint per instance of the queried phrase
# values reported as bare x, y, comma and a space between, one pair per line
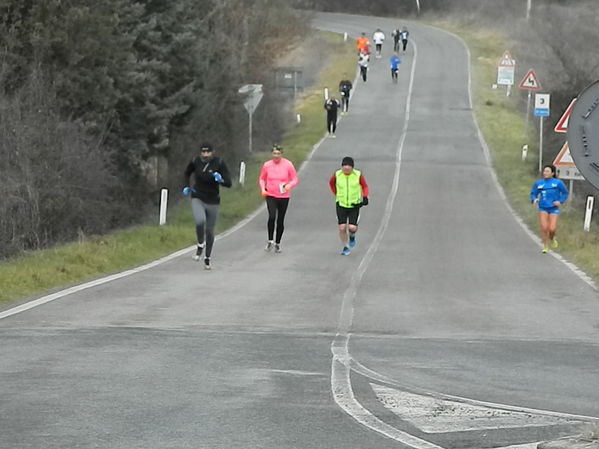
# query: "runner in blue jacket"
548, 193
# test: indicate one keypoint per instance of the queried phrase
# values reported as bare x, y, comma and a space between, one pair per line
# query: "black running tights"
277, 208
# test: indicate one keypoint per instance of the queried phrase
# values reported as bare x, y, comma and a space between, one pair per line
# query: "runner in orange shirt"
363, 44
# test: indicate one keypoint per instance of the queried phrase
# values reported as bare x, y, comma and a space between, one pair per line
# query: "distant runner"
345, 87
394, 61
404, 37
548, 193
378, 37
363, 44
332, 105
363, 64
396, 38
351, 192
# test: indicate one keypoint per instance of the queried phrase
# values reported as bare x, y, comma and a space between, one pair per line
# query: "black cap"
347, 161
205, 147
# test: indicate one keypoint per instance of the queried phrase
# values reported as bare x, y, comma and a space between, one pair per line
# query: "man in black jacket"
210, 173
332, 106
345, 87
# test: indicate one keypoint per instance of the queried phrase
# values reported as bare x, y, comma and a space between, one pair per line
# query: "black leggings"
345, 102
332, 123
277, 208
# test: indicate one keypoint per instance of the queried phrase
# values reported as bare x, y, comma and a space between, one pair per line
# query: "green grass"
95, 256
500, 120
503, 127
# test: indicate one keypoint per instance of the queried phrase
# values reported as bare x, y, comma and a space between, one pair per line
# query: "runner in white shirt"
378, 37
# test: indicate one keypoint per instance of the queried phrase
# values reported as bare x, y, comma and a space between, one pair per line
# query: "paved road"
445, 328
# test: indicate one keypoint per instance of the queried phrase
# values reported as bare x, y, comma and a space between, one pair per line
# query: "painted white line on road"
344, 397
340, 368
522, 446
577, 271
373, 375
435, 415
77, 288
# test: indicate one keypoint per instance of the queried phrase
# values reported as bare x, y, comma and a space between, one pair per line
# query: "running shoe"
545, 249
207, 263
554, 243
352, 241
269, 245
278, 248
345, 251
333, 136
198, 253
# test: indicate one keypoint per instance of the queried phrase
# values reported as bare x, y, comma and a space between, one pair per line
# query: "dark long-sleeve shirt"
205, 187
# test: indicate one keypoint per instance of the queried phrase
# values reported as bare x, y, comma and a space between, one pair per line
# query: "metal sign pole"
527, 112
541, 145
250, 133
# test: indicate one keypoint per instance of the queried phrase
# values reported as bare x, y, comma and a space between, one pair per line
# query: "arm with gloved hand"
221, 175
364, 186
188, 171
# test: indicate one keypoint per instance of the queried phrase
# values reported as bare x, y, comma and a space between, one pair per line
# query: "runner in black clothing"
396, 38
345, 86
332, 105
210, 173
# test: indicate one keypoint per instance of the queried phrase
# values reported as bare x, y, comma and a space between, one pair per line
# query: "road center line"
341, 386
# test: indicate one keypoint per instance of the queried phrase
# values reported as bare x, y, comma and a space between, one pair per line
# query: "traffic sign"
564, 158
506, 60
254, 95
583, 133
530, 81
541, 105
562, 124
564, 164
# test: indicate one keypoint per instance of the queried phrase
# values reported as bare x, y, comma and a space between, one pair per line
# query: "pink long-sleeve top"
274, 175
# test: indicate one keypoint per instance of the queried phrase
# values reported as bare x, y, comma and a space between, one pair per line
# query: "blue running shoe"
352, 241
345, 251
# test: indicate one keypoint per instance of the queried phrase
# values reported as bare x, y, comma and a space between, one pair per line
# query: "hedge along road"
445, 327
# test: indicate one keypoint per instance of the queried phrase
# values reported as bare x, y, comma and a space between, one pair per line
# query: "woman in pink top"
277, 178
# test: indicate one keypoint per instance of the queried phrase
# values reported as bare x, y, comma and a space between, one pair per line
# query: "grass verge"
41, 271
503, 127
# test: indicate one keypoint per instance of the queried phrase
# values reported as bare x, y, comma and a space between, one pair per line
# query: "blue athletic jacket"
548, 191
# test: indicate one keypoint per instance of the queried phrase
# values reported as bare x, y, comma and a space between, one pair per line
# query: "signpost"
505, 71
253, 93
530, 82
541, 110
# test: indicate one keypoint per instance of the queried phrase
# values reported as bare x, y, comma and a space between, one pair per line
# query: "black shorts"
351, 215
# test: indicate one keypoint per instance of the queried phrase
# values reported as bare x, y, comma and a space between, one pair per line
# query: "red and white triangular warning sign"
506, 60
530, 81
562, 124
564, 158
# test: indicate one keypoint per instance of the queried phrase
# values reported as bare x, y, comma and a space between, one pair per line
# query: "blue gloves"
217, 176
186, 191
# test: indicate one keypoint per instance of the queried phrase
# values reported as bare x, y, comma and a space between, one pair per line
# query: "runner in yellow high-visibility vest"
351, 192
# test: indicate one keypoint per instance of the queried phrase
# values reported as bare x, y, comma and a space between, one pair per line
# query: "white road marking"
522, 446
340, 368
435, 415
373, 375
577, 271
77, 288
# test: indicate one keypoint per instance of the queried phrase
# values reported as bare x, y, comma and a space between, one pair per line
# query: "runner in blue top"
548, 193
394, 61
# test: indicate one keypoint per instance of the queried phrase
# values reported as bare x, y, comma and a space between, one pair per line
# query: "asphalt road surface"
445, 328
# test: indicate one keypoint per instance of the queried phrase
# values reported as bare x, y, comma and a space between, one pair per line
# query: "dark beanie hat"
347, 161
